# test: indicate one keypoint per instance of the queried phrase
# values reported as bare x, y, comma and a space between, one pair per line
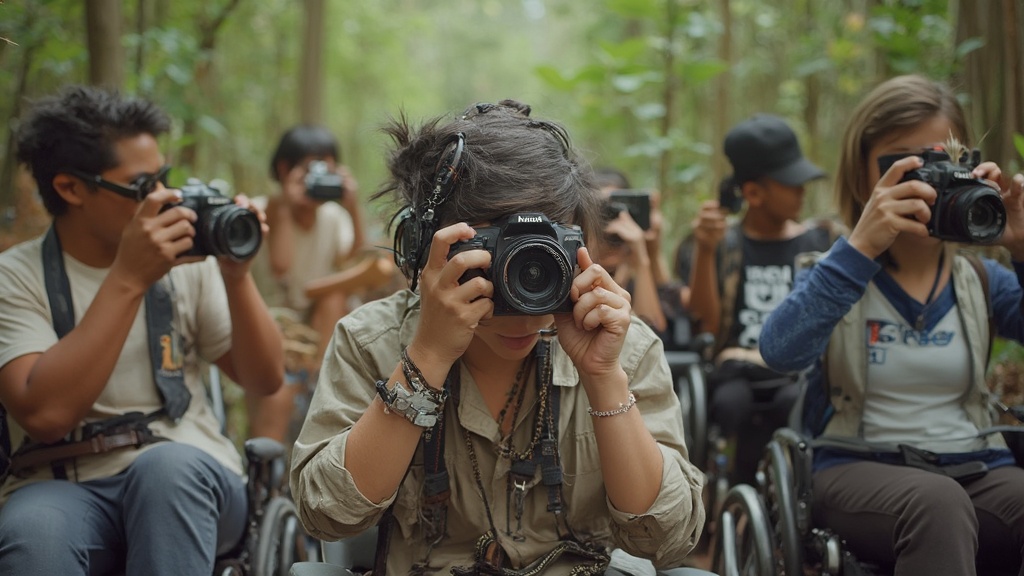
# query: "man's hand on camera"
230, 269
709, 226
152, 240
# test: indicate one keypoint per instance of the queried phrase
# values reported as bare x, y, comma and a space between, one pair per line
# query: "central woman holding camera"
508, 416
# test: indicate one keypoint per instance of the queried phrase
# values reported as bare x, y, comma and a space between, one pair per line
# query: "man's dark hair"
614, 178
77, 129
300, 142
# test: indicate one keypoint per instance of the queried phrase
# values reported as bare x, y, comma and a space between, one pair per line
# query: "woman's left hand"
1012, 191
593, 334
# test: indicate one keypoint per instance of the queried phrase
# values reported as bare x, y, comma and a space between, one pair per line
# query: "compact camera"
966, 209
223, 228
533, 263
636, 202
322, 183
730, 196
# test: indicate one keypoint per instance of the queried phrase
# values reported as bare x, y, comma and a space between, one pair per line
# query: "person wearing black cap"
740, 272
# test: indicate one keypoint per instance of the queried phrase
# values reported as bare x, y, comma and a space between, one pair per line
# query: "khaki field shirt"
366, 347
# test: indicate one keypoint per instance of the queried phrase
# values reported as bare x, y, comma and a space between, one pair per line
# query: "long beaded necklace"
493, 554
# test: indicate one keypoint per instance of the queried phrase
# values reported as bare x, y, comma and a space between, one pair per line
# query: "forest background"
647, 86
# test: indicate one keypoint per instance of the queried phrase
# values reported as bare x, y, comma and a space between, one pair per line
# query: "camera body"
636, 202
730, 196
966, 209
533, 263
222, 228
322, 183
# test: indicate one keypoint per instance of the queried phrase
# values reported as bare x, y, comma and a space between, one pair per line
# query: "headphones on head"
417, 224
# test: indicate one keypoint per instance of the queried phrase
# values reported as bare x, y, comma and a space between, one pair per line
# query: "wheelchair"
273, 539
355, 555
768, 530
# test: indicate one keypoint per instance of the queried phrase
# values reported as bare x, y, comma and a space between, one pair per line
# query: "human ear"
753, 192
69, 189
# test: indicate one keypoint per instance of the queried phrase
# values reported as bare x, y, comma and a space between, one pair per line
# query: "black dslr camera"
533, 263
322, 183
223, 228
966, 209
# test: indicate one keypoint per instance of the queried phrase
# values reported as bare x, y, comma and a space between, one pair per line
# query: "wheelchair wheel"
744, 545
698, 415
781, 503
281, 541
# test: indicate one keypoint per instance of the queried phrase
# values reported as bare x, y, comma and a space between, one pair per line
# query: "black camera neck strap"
436, 488
166, 345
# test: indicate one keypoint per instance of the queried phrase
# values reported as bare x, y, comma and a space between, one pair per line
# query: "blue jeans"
170, 513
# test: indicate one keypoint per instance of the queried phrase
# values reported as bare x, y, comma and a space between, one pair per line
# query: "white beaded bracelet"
622, 409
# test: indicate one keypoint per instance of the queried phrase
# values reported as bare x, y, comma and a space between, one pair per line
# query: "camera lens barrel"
972, 214
230, 231
536, 275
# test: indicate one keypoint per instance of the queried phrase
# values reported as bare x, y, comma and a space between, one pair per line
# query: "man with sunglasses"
116, 460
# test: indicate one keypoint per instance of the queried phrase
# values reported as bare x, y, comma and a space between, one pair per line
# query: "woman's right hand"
894, 207
450, 311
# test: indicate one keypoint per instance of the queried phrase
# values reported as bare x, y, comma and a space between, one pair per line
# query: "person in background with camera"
624, 247
116, 460
895, 327
740, 271
507, 414
316, 224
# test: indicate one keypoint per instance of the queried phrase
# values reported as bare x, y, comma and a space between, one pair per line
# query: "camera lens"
233, 231
536, 274
975, 214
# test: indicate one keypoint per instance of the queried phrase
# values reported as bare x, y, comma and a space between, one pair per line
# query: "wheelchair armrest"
263, 449
801, 457
317, 569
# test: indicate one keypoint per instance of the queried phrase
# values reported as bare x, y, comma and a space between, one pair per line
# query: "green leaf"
1018, 143
700, 71
212, 126
968, 46
554, 78
637, 8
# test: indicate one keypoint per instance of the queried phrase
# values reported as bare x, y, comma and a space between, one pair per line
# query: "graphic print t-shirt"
766, 278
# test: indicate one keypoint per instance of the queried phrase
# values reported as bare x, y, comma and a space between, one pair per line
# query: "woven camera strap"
128, 430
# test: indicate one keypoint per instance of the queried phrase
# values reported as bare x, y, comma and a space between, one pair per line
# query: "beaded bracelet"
622, 409
412, 373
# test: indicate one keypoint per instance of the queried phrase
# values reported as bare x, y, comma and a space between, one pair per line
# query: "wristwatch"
421, 406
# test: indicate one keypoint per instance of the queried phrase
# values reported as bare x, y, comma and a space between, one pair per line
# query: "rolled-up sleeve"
329, 504
670, 528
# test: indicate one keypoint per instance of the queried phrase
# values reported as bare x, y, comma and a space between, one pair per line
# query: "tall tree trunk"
311, 84
103, 33
142, 8
991, 75
722, 90
8, 170
1013, 87
207, 42
668, 93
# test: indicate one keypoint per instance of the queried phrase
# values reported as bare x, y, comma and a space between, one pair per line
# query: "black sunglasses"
137, 190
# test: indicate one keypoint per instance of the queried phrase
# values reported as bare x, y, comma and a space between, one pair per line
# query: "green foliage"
1018, 143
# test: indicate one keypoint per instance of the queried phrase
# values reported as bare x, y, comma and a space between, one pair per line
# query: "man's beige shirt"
200, 316
366, 346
